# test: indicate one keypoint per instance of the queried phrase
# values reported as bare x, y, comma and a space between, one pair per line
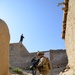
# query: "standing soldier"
21, 38
44, 64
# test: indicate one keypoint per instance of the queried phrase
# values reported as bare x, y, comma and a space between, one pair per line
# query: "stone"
4, 48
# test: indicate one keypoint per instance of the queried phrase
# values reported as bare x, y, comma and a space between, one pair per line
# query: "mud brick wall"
70, 34
20, 57
58, 58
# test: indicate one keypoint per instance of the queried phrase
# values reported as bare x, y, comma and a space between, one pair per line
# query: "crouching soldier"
44, 64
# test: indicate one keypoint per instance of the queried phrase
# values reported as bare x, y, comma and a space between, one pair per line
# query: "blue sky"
39, 20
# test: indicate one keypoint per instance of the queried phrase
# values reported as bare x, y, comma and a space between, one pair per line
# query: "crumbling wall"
70, 34
70, 39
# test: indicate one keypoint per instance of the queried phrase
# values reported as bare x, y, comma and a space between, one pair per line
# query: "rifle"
34, 65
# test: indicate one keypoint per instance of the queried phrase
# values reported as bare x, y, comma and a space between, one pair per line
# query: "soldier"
33, 66
21, 38
44, 64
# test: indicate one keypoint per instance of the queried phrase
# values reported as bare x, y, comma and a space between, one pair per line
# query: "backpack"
48, 63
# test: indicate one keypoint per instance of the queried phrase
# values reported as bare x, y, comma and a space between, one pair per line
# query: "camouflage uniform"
42, 65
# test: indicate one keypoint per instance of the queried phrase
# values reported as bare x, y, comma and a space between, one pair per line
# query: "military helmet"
40, 53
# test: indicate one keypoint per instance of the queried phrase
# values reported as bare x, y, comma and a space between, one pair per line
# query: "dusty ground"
54, 71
